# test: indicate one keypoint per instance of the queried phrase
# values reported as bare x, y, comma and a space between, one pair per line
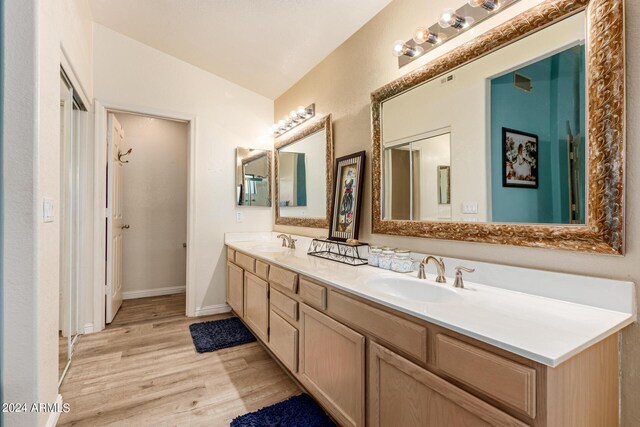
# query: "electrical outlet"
469, 207
239, 216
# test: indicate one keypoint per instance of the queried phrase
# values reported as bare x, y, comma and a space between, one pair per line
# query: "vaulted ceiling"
263, 45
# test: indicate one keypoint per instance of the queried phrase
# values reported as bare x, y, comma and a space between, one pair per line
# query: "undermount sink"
274, 248
414, 289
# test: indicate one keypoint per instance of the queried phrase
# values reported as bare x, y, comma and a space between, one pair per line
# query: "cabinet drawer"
403, 334
283, 341
501, 379
262, 270
284, 278
284, 305
313, 294
231, 255
246, 262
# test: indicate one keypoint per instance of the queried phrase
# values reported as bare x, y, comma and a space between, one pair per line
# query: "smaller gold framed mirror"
253, 177
304, 176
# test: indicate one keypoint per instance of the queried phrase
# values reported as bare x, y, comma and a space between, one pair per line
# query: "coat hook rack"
121, 155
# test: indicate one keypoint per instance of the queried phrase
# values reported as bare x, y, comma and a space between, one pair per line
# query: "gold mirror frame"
604, 231
323, 123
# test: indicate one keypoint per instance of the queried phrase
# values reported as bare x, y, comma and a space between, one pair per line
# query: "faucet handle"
458, 282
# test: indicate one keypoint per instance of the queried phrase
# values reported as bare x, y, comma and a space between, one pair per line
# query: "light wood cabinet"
256, 305
235, 288
402, 393
419, 373
283, 341
332, 364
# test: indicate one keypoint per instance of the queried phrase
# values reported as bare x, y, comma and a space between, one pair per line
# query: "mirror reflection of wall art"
347, 197
520, 156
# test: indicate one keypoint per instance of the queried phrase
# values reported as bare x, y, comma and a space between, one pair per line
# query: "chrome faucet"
439, 262
287, 241
458, 282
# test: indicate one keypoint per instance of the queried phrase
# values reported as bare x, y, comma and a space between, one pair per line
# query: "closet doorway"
72, 121
147, 208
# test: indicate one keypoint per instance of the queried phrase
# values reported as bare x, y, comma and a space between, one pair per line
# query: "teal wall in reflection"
557, 98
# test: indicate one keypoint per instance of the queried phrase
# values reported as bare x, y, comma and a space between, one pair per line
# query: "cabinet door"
283, 341
402, 393
235, 288
332, 365
256, 305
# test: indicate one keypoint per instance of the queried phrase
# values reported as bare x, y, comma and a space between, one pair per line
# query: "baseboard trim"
54, 416
153, 292
212, 309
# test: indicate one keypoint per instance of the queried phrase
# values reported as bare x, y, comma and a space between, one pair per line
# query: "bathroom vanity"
383, 348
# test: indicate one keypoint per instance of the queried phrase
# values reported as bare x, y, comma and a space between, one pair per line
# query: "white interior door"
115, 221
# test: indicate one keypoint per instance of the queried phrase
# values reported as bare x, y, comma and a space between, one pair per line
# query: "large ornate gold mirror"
304, 175
516, 137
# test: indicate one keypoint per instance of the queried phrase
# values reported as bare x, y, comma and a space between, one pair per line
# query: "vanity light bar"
451, 23
294, 119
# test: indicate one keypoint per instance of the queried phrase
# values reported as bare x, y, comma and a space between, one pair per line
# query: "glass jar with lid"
385, 258
401, 261
374, 255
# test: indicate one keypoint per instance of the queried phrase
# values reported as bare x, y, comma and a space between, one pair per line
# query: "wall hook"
121, 155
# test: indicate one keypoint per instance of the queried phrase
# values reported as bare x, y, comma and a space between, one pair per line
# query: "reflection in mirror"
293, 180
414, 181
500, 139
302, 172
253, 177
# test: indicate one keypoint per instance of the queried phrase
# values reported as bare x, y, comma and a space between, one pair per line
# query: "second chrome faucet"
287, 241
439, 262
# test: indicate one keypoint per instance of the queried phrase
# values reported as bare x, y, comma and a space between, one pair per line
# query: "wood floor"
143, 370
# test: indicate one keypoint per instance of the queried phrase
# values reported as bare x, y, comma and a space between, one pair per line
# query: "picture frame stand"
338, 251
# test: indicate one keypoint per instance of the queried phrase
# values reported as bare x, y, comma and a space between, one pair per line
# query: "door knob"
126, 227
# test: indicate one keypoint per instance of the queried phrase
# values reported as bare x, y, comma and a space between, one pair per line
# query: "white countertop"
538, 327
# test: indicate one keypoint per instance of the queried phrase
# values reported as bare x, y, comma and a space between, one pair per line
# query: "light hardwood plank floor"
143, 370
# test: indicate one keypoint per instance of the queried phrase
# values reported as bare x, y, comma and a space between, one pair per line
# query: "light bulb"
302, 112
293, 114
489, 5
275, 128
415, 51
448, 18
422, 35
281, 123
399, 48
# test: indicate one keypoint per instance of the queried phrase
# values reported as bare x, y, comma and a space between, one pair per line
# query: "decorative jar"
385, 258
402, 262
374, 255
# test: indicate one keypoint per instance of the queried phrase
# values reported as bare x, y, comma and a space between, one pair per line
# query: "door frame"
101, 109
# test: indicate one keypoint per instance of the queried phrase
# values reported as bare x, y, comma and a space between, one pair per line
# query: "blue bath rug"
297, 411
217, 334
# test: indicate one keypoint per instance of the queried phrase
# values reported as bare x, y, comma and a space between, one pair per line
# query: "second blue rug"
297, 411
217, 334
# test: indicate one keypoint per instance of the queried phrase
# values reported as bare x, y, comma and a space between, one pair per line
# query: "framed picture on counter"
347, 197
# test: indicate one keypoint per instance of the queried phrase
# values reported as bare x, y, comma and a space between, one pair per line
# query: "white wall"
314, 147
36, 33
155, 203
227, 116
433, 106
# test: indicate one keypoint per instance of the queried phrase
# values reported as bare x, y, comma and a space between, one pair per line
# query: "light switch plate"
48, 214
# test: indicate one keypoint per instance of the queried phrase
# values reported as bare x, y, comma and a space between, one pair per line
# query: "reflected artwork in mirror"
303, 168
253, 177
514, 137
